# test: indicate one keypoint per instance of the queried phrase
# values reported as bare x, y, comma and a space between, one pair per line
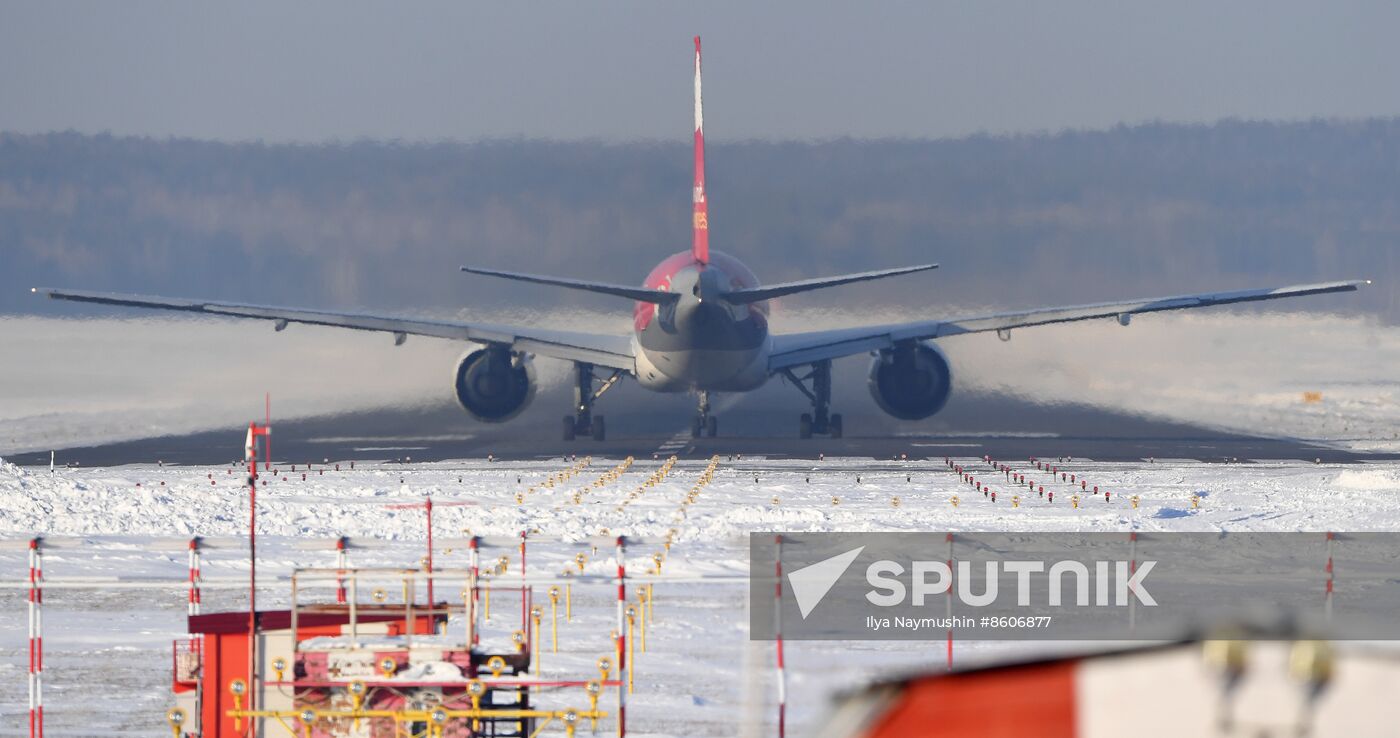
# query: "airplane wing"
794, 349
603, 350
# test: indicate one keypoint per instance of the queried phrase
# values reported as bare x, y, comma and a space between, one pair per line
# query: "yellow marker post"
176, 717
307, 718
554, 619
631, 613
475, 690
594, 690
535, 616
357, 690
238, 688
568, 596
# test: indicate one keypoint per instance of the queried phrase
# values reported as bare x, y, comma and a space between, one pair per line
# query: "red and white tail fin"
700, 242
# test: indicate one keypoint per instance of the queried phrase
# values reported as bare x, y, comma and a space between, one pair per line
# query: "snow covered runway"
108, 659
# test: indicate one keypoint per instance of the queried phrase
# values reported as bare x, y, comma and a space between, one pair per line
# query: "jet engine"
911, 381
493, 384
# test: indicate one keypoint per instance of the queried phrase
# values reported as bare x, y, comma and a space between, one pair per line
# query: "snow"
1369, 479
108, 656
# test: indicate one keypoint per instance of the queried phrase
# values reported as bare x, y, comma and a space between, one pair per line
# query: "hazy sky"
617, 70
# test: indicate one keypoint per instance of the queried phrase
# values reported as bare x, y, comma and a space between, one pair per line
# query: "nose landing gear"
704, 424
584, 422
821, 421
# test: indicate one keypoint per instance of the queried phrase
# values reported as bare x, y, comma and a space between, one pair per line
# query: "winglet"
700, 228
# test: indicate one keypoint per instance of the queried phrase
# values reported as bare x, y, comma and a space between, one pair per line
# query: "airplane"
700, 325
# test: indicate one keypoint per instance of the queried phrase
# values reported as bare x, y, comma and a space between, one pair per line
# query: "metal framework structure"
190, 657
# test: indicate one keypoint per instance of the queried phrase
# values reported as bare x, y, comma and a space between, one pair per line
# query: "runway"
1002, 427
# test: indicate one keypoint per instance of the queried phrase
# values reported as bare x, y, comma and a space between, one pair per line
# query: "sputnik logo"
811, 583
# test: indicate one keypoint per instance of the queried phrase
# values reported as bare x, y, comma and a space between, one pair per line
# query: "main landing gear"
821, 420
584, 422
704, 424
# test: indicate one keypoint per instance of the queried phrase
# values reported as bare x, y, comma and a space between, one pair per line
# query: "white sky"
783, 69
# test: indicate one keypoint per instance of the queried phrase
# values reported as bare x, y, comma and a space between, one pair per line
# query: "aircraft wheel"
834, 425
711, 426
569, 430
804, 426
599, 431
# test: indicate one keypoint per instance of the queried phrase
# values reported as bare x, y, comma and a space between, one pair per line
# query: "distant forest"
1073, 217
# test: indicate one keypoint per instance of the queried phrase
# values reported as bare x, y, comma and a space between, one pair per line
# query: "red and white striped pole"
778, 634
193, 608
948, 601
622, 665
341, 564
250, 450
1327, 603
36, 640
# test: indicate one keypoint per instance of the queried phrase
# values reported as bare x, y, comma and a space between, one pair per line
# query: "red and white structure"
623, 665
1192, 688
36, 639
195, 578
700, 226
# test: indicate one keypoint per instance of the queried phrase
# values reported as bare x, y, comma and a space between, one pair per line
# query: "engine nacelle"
493, 384
911, 381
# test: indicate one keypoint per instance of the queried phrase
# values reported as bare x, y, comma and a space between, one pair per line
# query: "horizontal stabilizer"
743, 297
641, 294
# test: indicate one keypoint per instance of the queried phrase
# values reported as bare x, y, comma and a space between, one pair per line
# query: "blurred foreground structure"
1224, 688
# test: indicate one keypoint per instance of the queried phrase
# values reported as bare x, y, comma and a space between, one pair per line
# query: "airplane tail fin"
756, 294
700, 240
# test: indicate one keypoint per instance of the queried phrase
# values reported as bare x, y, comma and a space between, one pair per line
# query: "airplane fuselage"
701, 342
